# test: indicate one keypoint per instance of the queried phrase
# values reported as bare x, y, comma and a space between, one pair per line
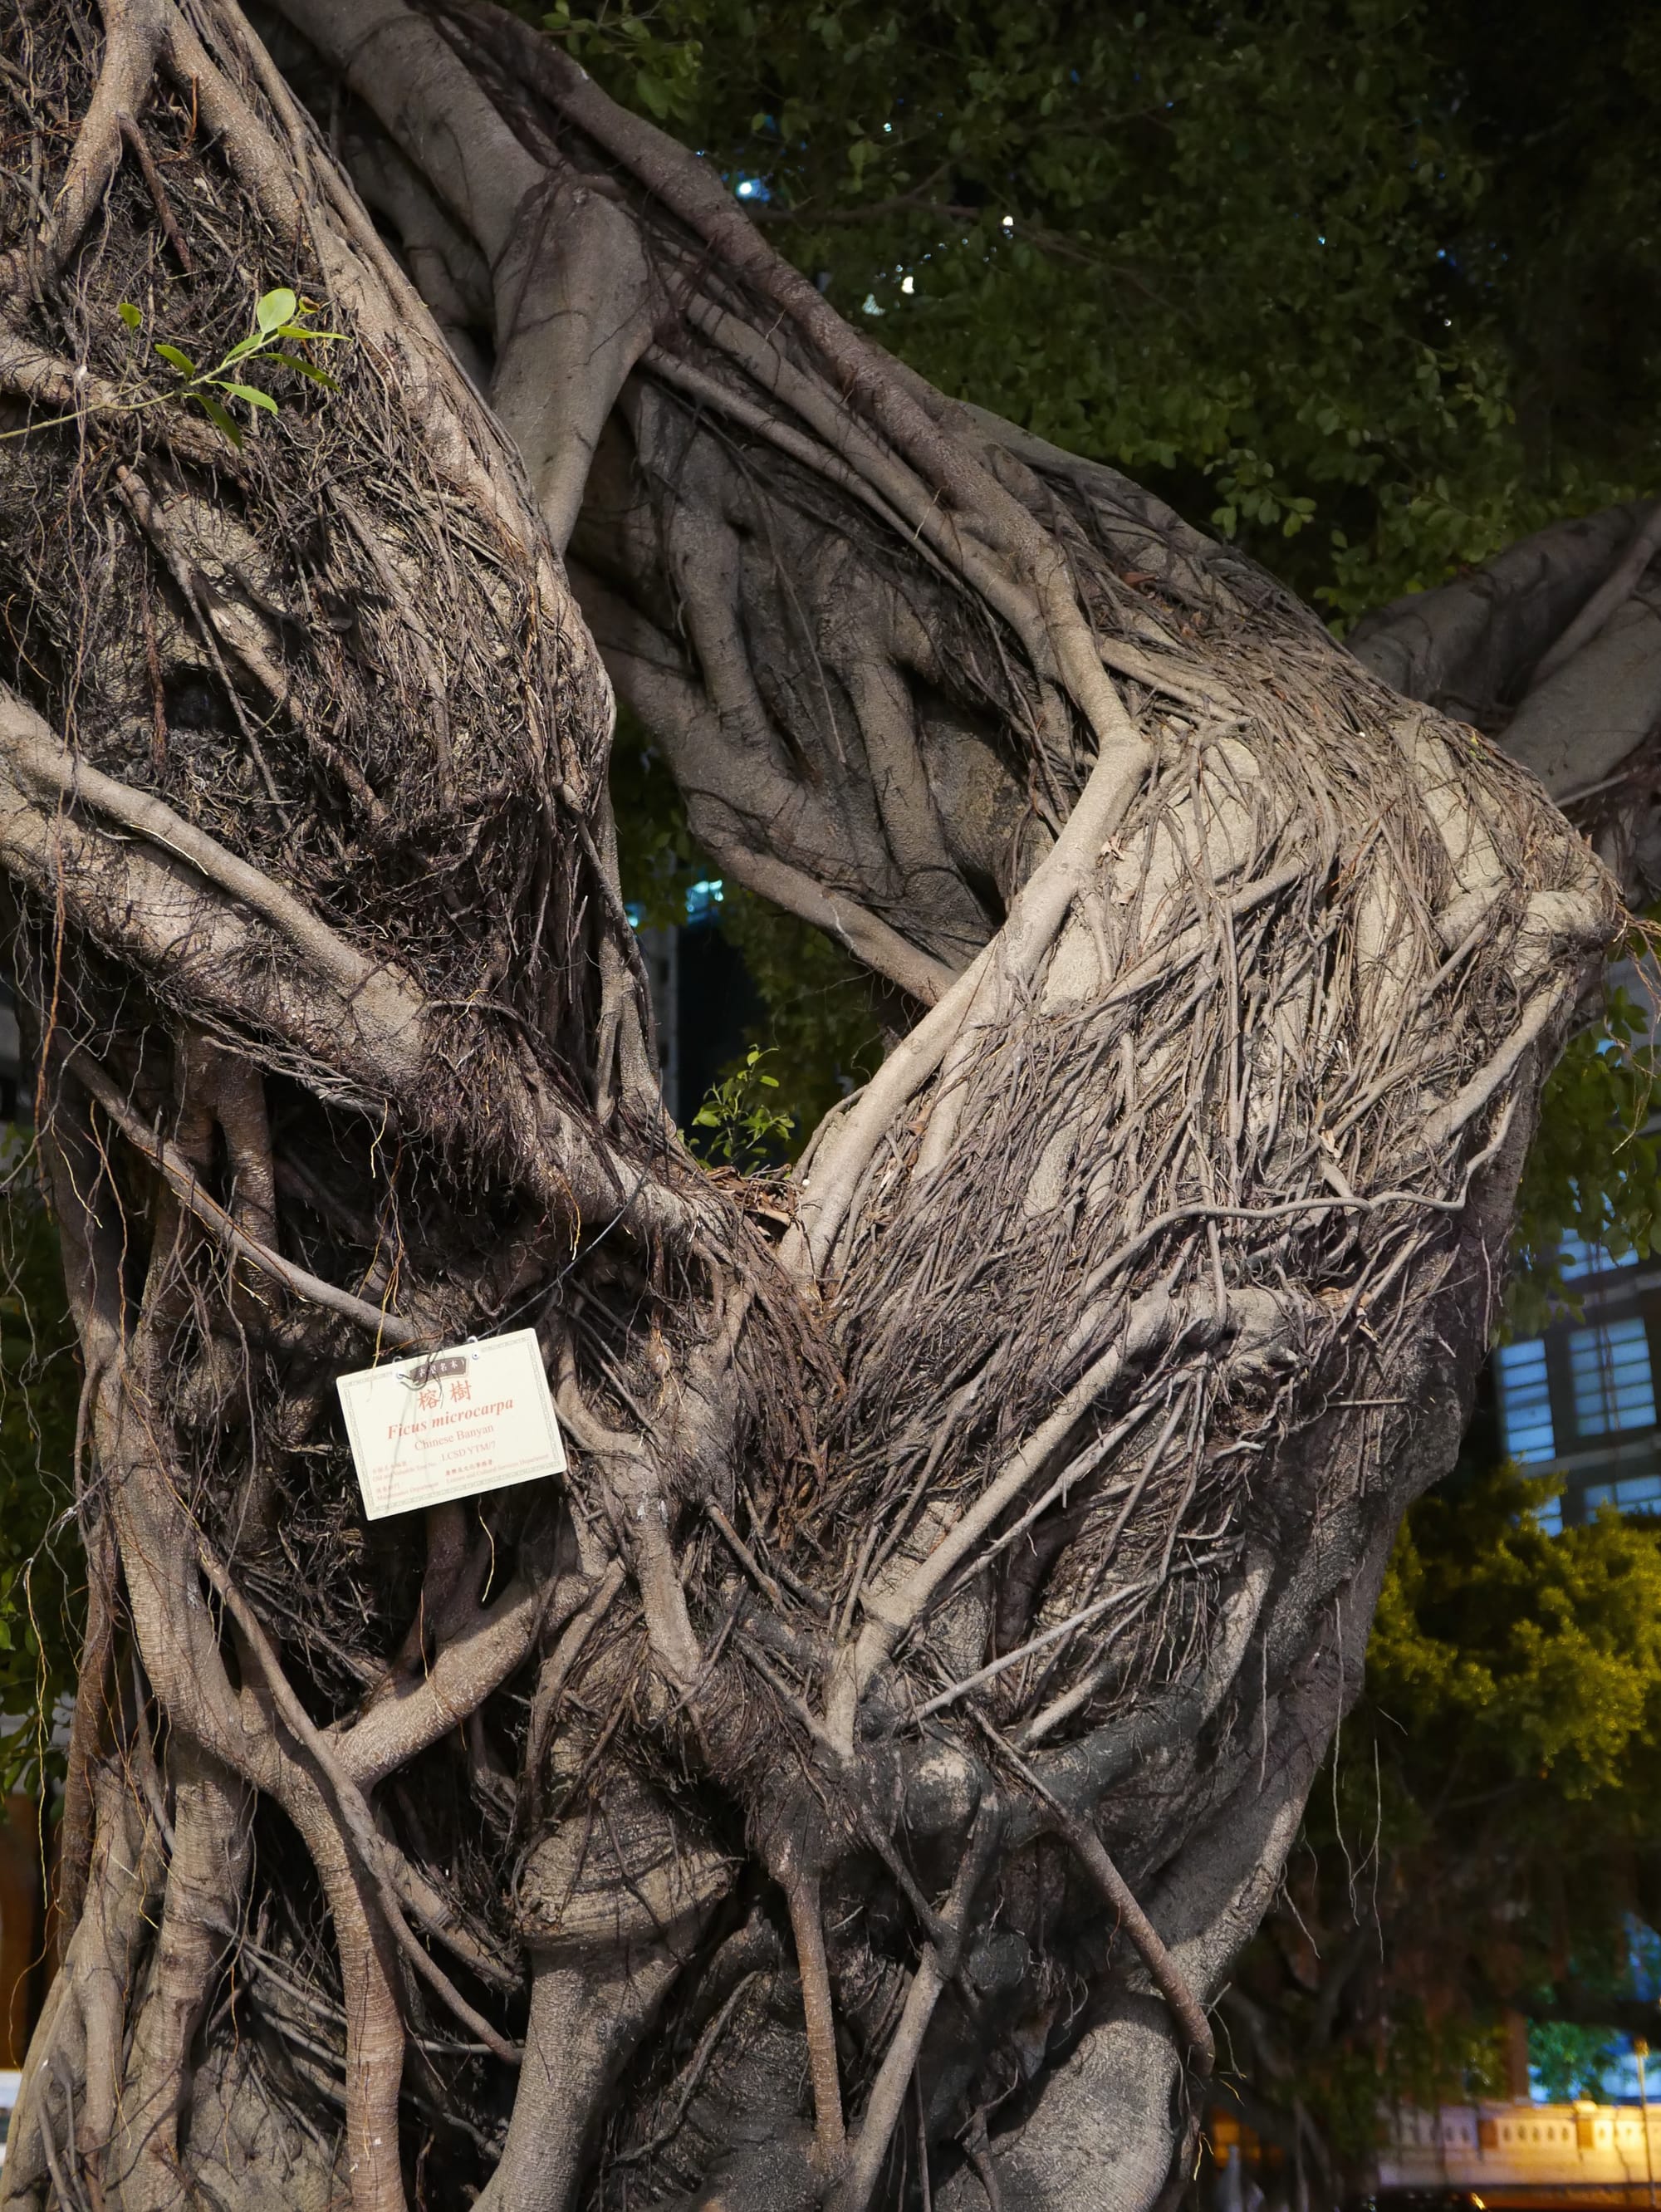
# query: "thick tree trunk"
1554, 649
851, 1784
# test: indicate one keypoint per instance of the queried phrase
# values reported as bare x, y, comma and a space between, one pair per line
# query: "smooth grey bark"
1470, 648
1553, 649
1103, 2125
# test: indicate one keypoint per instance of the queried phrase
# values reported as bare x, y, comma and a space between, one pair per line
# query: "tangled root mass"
964, 1553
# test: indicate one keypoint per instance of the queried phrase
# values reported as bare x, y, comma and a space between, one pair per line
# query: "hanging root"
954, 1534
802, 1894
208, 1865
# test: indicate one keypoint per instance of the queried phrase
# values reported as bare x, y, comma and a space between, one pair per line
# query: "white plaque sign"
449, 1424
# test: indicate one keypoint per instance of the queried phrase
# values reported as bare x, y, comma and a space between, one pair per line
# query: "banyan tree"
849, 1783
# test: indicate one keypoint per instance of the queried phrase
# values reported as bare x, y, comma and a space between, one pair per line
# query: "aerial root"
978, 2152
356, 1821
886, 2102
1166, 1976
88, 1720
379, 1322
202, 1906
945, 1040
133, 38
808, 1927
69, 2097
138, 146
691, 2079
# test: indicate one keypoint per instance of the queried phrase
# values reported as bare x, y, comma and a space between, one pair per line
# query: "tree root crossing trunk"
854, 1778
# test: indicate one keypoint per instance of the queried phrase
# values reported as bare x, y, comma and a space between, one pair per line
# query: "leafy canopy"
1321, 271
1485, 1836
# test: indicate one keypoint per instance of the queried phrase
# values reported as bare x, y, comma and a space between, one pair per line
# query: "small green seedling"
278, 316
745, 1121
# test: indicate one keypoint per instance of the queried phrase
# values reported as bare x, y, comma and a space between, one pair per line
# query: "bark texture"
1554, 647
850, 1787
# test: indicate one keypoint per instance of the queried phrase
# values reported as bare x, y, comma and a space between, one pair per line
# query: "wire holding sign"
449, 1423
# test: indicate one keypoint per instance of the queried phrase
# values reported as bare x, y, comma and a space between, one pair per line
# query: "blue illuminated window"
1577, 1259
1609, 1373
1524, 1400
1640, 1493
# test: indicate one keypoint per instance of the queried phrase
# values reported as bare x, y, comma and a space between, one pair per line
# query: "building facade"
1579, 1403
1493, 2147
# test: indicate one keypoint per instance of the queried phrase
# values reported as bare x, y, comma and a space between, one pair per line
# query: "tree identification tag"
448, 1423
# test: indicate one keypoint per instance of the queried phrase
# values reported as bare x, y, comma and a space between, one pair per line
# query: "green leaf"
130, 315
320, 337
242, 346
246, 392
181, 361
306, 368
273, 309
219, 418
